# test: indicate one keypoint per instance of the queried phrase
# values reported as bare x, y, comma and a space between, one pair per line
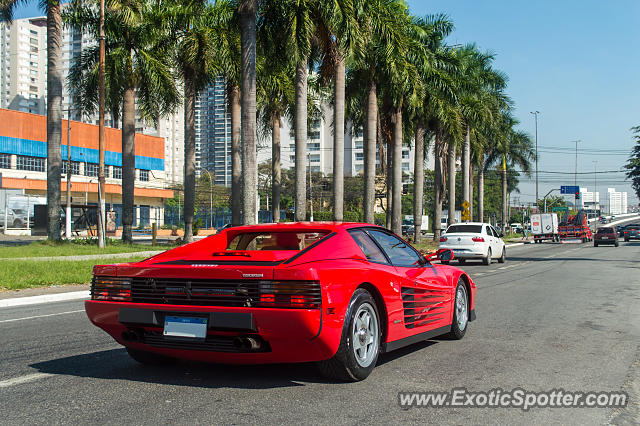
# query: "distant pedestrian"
524, 233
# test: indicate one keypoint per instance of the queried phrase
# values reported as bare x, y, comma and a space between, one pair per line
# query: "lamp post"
101, 99
535, 115
86, 184
595, 185
67, 225
210, 199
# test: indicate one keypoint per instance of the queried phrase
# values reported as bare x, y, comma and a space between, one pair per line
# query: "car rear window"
474, 229
605, 231
252, 241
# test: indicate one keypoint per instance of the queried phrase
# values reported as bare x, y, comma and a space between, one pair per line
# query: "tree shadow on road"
115, 364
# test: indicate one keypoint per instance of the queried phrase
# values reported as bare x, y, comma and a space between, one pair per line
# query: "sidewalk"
87, 256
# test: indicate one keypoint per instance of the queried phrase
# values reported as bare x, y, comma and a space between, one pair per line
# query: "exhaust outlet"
252, 344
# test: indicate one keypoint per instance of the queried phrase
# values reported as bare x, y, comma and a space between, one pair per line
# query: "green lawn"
427, 245
19, 274
73, 248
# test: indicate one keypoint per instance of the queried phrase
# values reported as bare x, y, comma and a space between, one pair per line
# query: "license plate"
605, 238
190, 327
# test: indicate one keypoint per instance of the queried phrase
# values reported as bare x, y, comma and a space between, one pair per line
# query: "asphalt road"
554, 316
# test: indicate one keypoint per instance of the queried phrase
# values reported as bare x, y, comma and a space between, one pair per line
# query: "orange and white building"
23, 165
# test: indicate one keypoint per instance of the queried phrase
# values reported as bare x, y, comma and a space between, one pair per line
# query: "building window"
5, 161
91, 169
359, 156
405, 155
34, 164
117, 172
75, 167
144, 176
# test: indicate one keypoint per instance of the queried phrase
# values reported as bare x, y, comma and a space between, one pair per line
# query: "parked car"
474, 240
16, 218
631, 232
606, 235
281, 293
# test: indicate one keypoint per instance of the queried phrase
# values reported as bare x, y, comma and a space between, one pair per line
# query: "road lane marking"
45, 298
41, 316
23, 379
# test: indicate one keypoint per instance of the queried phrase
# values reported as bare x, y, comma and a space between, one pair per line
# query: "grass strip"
17, 274
73, 248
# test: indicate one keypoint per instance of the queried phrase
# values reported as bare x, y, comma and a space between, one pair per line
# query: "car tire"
616, 244
595, 244
487, 260
460, 312
626, 240
17, 223
149, 358
360, 343
503, 258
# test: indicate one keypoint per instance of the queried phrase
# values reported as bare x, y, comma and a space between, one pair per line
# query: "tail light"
478, 239
111, 288
290, 294
443, 239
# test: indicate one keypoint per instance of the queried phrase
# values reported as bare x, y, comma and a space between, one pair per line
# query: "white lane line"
41, 316
46, 298
23, 379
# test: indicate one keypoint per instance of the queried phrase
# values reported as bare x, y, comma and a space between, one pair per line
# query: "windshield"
252, 241
473, 229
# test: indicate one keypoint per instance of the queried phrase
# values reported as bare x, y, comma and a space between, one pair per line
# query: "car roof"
470, 223
301, 226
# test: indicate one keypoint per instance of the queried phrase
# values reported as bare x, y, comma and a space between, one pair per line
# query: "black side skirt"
397, 344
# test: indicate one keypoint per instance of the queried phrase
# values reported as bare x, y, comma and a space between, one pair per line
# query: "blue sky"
574, 61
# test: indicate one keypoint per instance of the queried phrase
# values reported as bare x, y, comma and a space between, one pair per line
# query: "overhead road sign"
569, 190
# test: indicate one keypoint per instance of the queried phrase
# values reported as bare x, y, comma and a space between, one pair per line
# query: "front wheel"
487, 260
360, 343
460, 312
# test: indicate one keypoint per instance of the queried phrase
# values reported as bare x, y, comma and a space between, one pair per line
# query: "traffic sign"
466, 205
560, 209
569, 189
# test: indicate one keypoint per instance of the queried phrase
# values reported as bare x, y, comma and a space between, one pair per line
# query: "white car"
474, 240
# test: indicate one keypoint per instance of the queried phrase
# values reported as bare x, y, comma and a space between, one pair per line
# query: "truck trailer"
544, 226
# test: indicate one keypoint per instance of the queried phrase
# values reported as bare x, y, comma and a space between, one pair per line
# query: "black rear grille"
261, 294
211, 344
419, 306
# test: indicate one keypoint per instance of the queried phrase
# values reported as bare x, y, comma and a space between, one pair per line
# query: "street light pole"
101, 180
535, 115
67, 224
210, 199
310, 190
86, 184
595, 184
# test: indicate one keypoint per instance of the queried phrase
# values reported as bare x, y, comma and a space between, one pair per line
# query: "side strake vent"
238, 293
420, 306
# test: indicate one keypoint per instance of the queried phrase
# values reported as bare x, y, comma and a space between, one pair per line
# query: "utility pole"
535, 115
310, 193
67, 222
595, 185
575, 179
101, 180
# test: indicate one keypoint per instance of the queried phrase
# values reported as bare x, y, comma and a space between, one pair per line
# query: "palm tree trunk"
418, 184
503, 225
389, 183
338, 141
451, 169
236, 154
438, 187
248, 9
370, 154
466, 164
54, 118
396, 210
301, 141
128, 161
189, 157
471, 191
481, 193
276, 172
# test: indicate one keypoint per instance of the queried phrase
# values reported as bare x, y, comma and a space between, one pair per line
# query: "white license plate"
191, 327
605, 238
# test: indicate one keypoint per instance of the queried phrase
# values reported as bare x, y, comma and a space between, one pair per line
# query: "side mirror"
445, 255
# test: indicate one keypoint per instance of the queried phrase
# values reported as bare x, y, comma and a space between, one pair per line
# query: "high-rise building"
617, 201
213, 133
23, 65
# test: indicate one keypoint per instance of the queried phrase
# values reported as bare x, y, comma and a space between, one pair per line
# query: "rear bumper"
286, 335
466, 252
608, 241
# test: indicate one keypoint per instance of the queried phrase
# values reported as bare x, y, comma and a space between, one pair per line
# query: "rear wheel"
503, 258
595, 244
360, 343
460, 312
149, 358
487, 260
616, 244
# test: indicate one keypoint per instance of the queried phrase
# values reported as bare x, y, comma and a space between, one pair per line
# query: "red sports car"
337, 294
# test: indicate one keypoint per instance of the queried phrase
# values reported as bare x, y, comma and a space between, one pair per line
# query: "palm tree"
191, 23
54, 105
247, 10
138, 45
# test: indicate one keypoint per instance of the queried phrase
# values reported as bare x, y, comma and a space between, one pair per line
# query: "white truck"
544, 226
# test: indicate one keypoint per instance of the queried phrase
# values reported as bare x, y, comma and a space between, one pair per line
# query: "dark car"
620, 230
605, 236
631, 232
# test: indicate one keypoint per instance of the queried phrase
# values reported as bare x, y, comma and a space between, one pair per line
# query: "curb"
45, 298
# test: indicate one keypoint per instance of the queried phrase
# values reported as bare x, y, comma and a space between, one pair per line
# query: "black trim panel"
472, 315
183, 262
397, 344
217, 320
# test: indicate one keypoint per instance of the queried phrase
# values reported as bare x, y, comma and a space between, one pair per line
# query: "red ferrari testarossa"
334, 293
